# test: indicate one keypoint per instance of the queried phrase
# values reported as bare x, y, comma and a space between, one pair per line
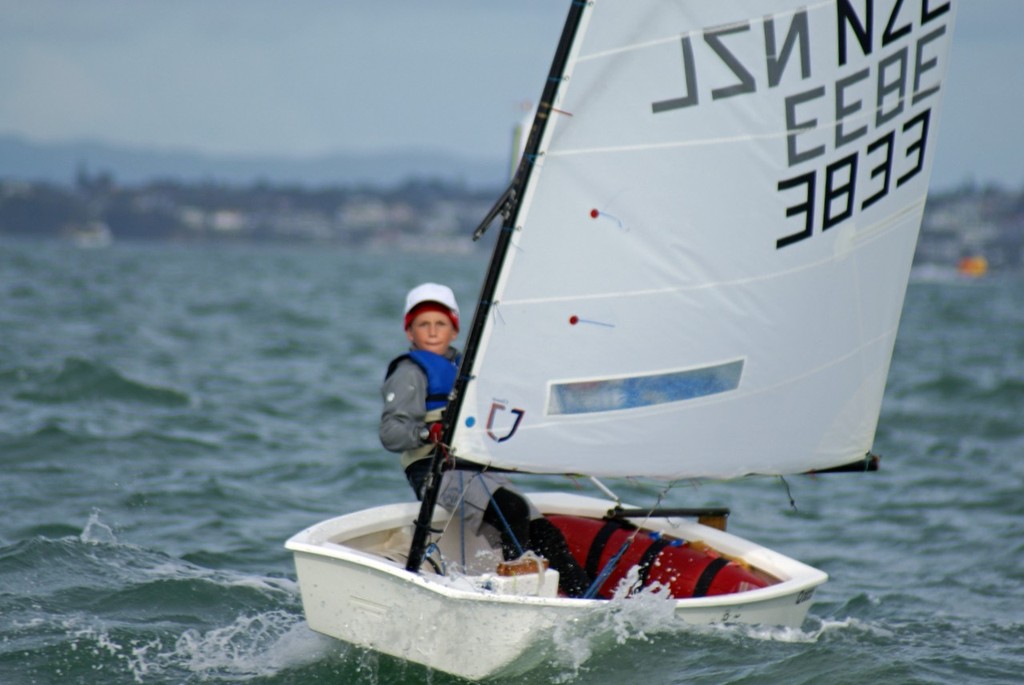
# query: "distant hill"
59, 163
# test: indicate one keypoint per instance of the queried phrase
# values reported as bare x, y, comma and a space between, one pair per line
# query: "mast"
508, 206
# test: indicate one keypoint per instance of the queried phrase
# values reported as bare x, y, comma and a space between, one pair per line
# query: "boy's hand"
431, 433
434, 433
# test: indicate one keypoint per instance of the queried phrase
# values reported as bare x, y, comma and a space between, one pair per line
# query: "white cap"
432, 292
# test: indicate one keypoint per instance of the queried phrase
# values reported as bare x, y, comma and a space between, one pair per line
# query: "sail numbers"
867, 133
724, 42
841, 184
857, 117
881, 100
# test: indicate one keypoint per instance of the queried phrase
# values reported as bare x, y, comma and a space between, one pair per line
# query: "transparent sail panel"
586, 397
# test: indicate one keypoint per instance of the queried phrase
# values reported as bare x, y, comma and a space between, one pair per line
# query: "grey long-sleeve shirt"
405, 405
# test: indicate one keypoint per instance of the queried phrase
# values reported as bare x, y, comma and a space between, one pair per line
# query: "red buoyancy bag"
686, 571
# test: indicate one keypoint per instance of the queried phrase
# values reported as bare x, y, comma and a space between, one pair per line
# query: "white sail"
709, 259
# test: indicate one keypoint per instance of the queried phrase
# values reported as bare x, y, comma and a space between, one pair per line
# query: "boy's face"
431, 331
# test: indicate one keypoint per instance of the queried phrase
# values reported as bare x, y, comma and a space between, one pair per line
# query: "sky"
313, 77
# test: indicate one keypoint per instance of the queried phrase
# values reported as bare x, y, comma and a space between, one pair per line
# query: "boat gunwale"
795, 575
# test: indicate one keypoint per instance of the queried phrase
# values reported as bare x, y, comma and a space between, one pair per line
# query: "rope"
462, 517
462, 520
789, 493
504, 521
462, 512
440, 570
608, 568
539, 561
614, 561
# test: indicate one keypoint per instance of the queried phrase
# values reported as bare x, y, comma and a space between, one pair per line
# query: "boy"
415, 393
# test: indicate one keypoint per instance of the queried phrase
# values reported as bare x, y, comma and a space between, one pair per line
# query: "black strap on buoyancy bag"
647, 562
707, 576
600, 541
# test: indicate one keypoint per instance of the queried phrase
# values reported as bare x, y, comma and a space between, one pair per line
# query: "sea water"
170, 415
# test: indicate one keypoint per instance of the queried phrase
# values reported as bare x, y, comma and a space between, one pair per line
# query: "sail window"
586, 397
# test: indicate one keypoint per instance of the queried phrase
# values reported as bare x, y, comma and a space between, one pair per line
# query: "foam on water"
251, 646
627, 617
157, 643
96, 532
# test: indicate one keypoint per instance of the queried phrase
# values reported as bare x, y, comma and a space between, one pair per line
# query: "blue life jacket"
440, 372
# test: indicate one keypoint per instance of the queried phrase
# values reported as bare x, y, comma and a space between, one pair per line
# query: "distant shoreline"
434, 215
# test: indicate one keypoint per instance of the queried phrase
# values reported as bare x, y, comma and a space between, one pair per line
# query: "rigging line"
556, 110
441, 570
496, 313
422, 525
789, 493
462, 522
614, 561
608, 568
650, 512
658, 500
504, 521
606, 490
461, 506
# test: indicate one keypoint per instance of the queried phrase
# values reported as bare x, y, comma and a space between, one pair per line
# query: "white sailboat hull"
478, 625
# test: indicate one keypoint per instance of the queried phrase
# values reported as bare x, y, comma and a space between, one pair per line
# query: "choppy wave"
85, 604
78, 379
168, 417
